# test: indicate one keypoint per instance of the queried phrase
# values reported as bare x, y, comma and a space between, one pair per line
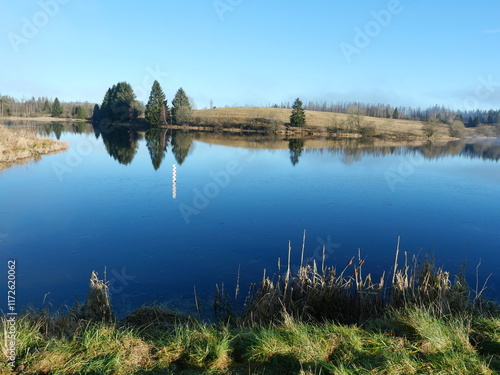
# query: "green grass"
317, 321
413, 341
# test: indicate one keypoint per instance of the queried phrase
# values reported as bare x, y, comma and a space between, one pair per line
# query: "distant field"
276, 119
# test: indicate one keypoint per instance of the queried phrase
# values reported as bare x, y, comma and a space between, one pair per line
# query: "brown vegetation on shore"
340, 125
19, 146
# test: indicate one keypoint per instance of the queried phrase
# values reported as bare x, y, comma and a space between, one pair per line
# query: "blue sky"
255, 52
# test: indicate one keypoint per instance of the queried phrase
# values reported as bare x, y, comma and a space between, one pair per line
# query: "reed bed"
414, 319
316, 292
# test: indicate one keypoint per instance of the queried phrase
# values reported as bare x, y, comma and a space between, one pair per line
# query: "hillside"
275, 120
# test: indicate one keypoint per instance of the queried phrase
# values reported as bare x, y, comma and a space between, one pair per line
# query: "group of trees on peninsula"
120, 105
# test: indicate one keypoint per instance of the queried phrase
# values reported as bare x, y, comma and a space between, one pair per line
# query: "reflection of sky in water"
123, 217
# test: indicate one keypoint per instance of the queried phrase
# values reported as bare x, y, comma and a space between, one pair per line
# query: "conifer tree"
96, 114
298, 116
157, 112
119, 103
181, 107
57, 109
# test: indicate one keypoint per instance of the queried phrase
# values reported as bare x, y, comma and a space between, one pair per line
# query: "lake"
163, 212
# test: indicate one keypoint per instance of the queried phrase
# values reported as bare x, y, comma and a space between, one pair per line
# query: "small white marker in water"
174, 181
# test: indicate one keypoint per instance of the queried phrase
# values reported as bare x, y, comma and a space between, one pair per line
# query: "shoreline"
430, 327
20, 147
274, 122
42, 119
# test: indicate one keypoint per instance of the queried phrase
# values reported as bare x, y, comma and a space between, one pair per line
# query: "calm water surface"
110, 204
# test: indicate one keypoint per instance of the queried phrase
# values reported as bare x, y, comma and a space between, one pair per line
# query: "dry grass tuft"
317, 293
19, 145
98, 305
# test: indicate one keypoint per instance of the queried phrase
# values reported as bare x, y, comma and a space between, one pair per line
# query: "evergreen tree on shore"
157, 111
119, 103
181, 107
57, 109
298, 116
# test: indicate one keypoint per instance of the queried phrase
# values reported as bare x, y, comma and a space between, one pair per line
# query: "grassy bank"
275, 120
421, 320
20, 146
413, 341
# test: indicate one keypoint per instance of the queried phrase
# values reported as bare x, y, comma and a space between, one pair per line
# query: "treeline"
44, 106
445, 115
120, 105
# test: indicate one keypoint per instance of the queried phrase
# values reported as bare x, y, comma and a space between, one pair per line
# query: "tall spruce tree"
46, 107
157, 111
395, 114
96, 114
298, 116
57, 109
181, 108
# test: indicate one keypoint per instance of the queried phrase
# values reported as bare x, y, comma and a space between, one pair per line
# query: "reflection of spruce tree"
121, 144
296, 147
57, 128
181, 143
80, 128
47, 128
156, 141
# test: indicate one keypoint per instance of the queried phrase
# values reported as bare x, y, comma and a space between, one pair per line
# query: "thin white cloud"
494, 31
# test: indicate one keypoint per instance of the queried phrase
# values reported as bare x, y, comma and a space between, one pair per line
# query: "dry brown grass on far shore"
276, 119
18, 146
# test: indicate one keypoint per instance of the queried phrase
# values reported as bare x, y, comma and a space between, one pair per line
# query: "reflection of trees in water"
181, 143
157, 141
352, 150
80, 128
351, 155
296, 146
432, 151
57, 128
484, 150
121, 144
